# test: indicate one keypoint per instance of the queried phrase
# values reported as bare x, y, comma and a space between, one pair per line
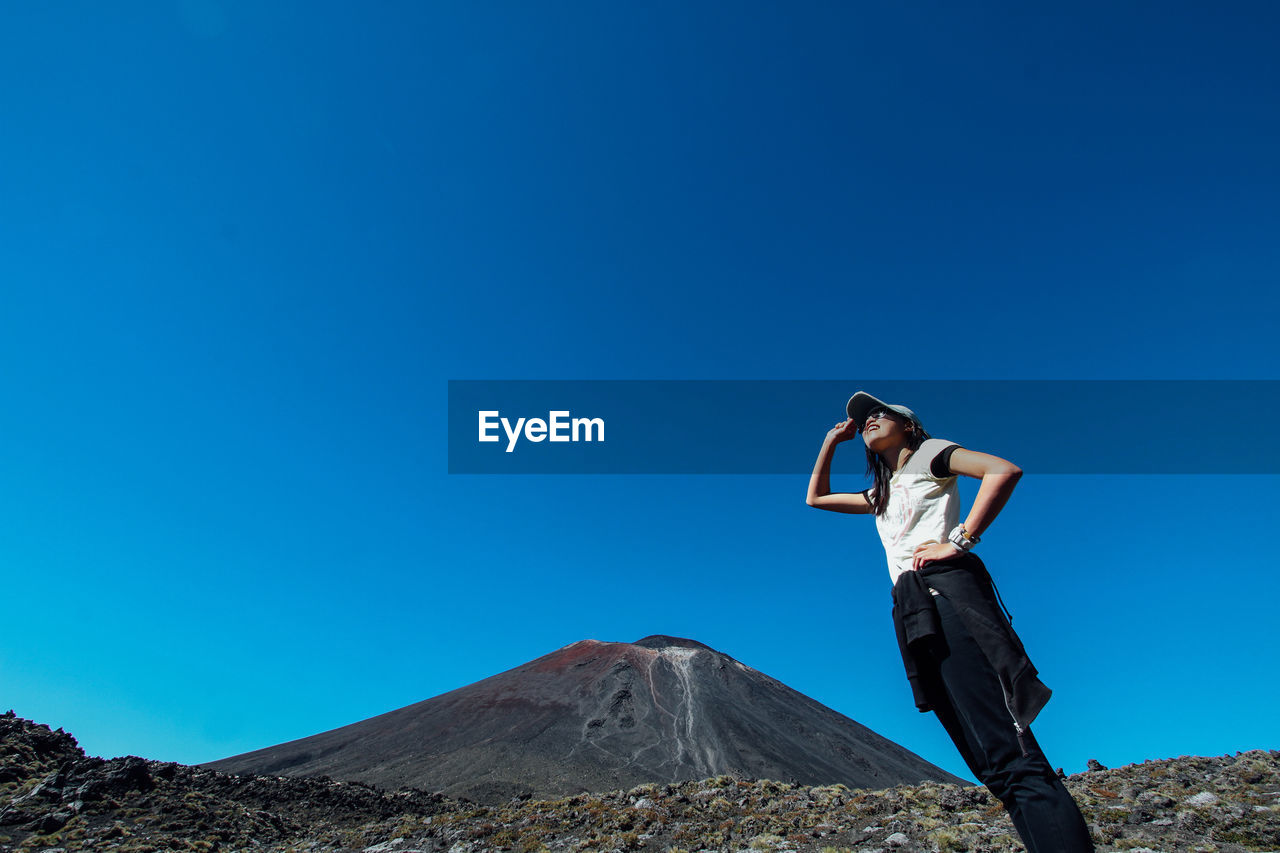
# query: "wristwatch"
962, 538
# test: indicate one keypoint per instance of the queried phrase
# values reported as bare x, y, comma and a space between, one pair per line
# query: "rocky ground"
54, 798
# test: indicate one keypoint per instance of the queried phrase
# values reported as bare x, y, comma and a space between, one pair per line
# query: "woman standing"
962, 657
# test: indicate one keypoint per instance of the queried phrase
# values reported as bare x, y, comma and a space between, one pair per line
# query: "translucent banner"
777, 426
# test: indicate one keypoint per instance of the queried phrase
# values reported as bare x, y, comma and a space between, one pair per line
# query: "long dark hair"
879, 469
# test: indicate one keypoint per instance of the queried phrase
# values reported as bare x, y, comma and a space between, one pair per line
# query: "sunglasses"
877, 414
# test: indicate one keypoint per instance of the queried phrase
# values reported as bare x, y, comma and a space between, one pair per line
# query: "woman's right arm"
820, 494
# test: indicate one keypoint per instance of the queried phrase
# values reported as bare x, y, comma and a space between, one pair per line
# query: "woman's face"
883, 430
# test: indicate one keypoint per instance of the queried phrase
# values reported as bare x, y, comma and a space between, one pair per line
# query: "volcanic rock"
1154, 806
597, 716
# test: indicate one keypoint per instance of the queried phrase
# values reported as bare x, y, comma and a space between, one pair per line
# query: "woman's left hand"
932, 552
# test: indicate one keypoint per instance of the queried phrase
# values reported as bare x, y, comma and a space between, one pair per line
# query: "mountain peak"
601, 716
663, 641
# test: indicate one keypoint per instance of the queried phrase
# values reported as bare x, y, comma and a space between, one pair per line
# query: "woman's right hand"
842, 431
820, 494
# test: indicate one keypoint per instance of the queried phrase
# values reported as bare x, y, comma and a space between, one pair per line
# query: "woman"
962, 657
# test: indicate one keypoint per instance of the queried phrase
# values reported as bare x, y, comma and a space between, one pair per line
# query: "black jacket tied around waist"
967, 585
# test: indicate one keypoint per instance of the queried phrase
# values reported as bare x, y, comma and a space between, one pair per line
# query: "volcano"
598, 716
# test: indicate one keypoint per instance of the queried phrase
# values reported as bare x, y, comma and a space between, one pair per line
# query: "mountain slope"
600, 716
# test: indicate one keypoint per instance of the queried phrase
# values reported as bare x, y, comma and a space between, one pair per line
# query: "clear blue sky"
245, 246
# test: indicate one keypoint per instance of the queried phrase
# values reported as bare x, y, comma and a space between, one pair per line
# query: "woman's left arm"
998, 477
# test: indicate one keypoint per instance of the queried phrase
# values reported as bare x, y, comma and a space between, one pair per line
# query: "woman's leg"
966, 695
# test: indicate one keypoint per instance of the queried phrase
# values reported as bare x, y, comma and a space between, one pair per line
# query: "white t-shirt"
923, 508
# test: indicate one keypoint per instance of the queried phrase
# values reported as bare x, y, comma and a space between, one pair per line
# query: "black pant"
965, 693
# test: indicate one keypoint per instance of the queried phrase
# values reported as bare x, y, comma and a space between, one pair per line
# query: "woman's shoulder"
931, 447
934, 456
